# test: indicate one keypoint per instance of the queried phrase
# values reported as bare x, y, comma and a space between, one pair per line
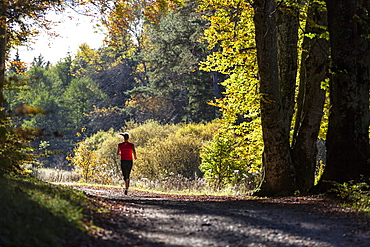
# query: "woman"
127, 151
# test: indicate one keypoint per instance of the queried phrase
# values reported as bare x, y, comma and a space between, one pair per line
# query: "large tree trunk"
348, 131
310, 102
287, 40
279, 171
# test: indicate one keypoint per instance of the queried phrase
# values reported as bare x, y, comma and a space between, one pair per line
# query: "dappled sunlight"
205, 220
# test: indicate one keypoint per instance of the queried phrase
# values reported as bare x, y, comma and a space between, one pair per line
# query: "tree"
276, 36
114, 76
348, 130
231, 38
278, 165
173, 53
79, 97
17, 20
223, 164
159, 41
311, 96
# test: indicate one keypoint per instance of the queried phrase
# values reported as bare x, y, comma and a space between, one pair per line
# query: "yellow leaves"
95, 157
102, 112
325, 118
231, 36
153, 104
19, 66
128, 16
84, 160
154, 9
140, 67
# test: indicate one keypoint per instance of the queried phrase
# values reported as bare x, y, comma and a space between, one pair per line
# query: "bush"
225, 162
171, 156
144, 133
95, 158
173, 153
355, 194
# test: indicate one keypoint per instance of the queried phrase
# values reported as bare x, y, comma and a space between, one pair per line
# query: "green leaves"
234, 155
226, 160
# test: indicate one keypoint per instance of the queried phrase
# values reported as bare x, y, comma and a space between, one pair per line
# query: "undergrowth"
354, 194
35, 213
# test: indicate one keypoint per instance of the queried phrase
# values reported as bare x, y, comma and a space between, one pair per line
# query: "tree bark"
348, 131
287, 40
279, 175
310, 102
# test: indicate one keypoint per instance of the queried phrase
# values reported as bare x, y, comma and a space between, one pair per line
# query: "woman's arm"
134, 152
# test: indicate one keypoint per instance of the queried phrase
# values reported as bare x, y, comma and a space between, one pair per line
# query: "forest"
271, 96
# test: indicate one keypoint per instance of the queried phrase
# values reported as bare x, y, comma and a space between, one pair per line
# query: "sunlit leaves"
95, 157
230, 34
231, 37
170, 150
86, 60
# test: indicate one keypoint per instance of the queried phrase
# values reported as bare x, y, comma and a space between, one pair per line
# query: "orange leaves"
20, 67
103, 112
159, 7
26, 110
129, 15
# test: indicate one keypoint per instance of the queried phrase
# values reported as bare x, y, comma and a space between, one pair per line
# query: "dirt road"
143, 219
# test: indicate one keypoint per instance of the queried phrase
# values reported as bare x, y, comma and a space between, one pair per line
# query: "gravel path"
143, 219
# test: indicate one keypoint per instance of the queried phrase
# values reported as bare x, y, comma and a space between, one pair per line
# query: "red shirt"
126, 150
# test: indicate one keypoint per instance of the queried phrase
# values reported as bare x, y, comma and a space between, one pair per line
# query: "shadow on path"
144, 219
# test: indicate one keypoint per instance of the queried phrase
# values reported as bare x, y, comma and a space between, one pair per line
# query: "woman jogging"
127, 151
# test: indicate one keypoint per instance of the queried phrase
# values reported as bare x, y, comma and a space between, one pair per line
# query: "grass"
35, 213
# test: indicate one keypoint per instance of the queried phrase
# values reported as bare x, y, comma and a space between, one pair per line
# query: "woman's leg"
127, 183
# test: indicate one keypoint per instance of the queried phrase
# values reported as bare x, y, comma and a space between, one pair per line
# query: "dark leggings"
126, 166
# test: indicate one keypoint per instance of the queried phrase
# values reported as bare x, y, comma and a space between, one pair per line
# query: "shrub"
225, 162
95, 158
144, 133
171, 156
355, 194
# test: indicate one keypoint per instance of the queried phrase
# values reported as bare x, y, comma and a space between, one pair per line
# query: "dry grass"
170, 184
55, 175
